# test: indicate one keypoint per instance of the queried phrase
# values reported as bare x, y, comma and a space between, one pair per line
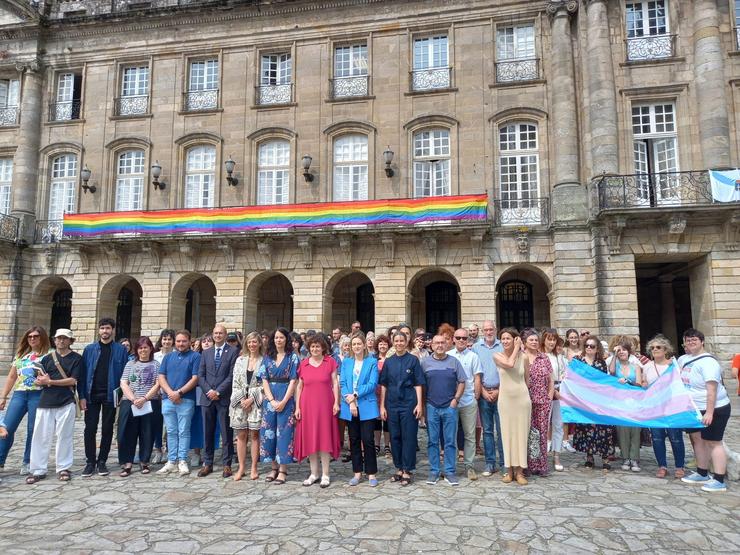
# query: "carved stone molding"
155, 253
522, 242
29, 66
50, 257
85, 254
676, 227
389, 246
476, 247
189, 254
732, 231
113, 251
564, 7
345, 245
430, 246
227, 248
264, 248
306, 245
614, 229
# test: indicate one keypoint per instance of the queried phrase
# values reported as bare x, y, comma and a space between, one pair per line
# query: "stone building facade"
590, 125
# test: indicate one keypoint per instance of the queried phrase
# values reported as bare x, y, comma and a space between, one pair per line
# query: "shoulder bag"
78, 410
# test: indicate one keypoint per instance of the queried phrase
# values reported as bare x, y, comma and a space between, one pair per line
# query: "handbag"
78, 410
533, 444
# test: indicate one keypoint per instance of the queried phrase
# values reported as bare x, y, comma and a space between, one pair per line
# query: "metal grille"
9, 116
652, 47
132, 105
196, 101
343, 87
511, 71
275, 94
430, 79
64, 111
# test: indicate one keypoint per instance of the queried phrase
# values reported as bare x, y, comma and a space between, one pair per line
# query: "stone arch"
522, 297
433, 295
269, 302
349, 295
193, 303
51, 305
120, 299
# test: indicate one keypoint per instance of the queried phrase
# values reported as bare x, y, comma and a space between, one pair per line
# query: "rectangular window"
648, 30
350, 61
9, 99
432, 163
273, 177
276, 69
63, 184
130, 182
519, 174
431, 64
515, 43
6, 178
203, 75
655, 154
68, 95
350, 168
135, 81
200, 177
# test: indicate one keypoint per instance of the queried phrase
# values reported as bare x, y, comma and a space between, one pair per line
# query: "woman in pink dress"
317, 406
541, 390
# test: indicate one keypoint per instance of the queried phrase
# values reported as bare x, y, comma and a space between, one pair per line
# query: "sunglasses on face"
584, 334
460, 338
656, 347
35, 336
590, 346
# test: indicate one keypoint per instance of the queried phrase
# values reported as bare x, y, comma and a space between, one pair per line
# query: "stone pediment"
16, 11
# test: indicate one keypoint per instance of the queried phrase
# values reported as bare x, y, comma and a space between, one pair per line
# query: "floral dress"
540, 372
246, 385
594, 439
276, 433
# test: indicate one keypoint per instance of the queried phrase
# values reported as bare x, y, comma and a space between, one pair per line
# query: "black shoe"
103, 469
89, 470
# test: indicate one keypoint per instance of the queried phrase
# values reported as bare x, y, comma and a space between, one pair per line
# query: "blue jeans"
490, 421
675, 436
177, 418
21, 403
444, 421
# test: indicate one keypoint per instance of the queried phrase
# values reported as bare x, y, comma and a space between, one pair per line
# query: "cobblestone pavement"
575, 511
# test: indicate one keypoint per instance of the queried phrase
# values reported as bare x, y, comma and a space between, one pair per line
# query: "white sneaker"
24, 469
627, 464
635, 467
167, 468
568, 447
549, 445
183, 468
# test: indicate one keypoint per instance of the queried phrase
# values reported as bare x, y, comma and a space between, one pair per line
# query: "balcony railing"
197, 101
347, 87
64, 111
512, 71
522, 212
655, 190
9, 116
9, 227
274, 94
132, 105
651, 47
48, 231
431, 78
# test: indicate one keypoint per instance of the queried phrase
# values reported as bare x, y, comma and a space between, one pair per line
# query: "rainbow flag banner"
588, 396
467, 208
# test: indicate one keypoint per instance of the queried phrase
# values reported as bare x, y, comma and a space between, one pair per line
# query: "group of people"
289, 397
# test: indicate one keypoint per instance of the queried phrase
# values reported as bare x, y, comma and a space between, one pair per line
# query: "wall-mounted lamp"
156, 172
85, 175
388, 159
230, 179
306, 162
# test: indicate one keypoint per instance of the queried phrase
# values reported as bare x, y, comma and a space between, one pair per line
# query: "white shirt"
697, 374
471, 364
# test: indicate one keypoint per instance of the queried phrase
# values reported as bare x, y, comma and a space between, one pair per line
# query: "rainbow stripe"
466, 208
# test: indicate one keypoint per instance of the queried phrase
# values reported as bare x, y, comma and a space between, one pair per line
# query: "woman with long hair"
550, 342
541, 389
628, 372
279, 376
245, 412
32, 347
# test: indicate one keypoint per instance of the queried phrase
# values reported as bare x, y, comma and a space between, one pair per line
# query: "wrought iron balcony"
65, 111
512, 71
48, 231
274, 94
347, 87
9, 116
655, 190
197, 101
432, 78
9, 228
651, 47
132, 105
522, 212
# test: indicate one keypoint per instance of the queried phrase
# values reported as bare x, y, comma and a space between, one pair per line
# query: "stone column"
601, 89
26, 159
569, 199
477, 291
308, 306
709, 74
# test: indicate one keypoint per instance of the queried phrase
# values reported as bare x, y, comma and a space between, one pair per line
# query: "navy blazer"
367, 400
218, 380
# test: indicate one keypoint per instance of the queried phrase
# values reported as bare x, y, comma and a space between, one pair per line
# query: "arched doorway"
521, 299
61, 310
193, 304
120, 298
434, 299
350, 296
268, 302
52, 304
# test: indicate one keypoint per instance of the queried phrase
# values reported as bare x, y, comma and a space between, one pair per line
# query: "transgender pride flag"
588, 396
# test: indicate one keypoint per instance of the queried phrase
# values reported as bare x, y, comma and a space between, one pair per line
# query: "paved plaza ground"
575, 511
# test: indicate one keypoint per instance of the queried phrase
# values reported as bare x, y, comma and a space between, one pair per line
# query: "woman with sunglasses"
32, 347
594, 439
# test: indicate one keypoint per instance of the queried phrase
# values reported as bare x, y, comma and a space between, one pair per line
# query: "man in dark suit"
214, 380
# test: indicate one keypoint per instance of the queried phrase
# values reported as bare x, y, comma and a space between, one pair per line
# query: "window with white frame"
68, 95
200, 177
130, 180
350, 168
9, 99
655, 152
202, 85
648, 30
276, 77
134, 91
515, 53
273, 172
519, 173
62, 186
737, 24
350, 70
432, 163
431, 63
6, 178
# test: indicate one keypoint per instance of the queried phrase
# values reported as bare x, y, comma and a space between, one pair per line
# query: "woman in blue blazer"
358, 380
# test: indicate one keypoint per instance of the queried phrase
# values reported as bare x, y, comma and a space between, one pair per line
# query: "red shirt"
736, 365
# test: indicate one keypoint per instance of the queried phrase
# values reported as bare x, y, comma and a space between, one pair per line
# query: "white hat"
64, 332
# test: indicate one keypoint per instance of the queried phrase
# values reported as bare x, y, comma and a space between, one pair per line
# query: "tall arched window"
432, 163
130, 180
62, 186
350, 168
518, 165
273, 172
200, 177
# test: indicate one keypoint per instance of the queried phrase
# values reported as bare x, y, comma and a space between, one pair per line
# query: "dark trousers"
403, 427
157, 423
132, 430
92, 418
212, 413
362, 445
